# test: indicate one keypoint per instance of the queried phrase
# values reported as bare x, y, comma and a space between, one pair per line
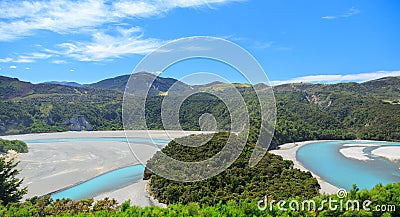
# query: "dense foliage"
381, 197
38, 117
304, 111
16, 145
10, 190
272, 175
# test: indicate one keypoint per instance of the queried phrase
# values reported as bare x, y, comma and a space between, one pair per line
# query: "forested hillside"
304, 111
272, 174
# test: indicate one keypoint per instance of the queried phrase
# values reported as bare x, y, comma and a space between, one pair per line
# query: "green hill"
13, 89
304, 111
387, 88
139, 83
238, 182
117, 83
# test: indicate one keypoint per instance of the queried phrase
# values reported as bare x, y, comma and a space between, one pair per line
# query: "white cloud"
251, 42
13, 67
27, 68
24, 18
32, 57
350, 12
23, 60
134, 8
6, 60
361, 77
71, 70
105, 46
59, 61
19, 19
261, 44
284, 48
95, 18
329, 17
26, 58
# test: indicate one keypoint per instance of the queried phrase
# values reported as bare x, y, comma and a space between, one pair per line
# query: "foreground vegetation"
380, 197
10, 185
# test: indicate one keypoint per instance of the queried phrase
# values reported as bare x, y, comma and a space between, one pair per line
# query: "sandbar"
289, 150
389, 152
49, 167
355, 153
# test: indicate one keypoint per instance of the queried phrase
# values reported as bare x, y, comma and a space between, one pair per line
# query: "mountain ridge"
387, 88
119, 82
65, 83
139, 83
304, 111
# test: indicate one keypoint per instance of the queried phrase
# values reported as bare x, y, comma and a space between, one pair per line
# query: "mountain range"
387, 88
368, 110
65, 83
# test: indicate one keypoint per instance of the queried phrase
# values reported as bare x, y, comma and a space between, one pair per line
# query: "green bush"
379, 195
16, 145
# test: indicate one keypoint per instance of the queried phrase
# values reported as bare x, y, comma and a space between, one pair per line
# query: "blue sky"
294, 41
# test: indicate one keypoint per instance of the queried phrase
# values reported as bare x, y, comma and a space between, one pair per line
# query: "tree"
10, 185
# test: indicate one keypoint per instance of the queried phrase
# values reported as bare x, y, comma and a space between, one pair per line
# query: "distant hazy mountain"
65, 83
